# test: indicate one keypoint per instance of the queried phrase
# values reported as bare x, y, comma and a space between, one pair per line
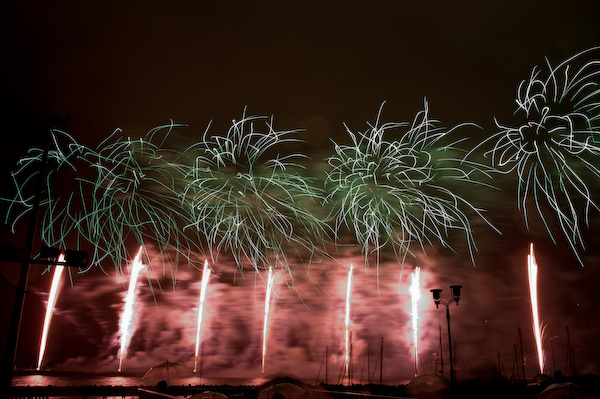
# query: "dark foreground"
587, 386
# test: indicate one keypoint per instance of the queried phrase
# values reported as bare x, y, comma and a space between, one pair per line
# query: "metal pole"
326, 368
522, 357
368, 365
15, 321
350, 365
499, 364
381, 364
450, 345
441, 350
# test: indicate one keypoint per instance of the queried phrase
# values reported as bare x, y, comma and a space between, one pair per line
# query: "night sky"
314, 67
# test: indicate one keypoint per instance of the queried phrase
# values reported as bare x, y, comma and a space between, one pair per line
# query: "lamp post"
437, 299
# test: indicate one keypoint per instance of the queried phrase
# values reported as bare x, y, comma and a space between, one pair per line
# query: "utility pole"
327, 365
522, 357
17, 313
381, 364
8, 360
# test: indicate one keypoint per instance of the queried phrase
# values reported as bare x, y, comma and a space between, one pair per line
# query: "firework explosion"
394, 192
394, 186
135, 197
247, 202
124, 190
62, 209
553, 151
242, 196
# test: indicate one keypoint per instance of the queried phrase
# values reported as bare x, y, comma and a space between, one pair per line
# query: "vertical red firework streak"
205, 277
532, 271
126, 320
266, 319
58, 269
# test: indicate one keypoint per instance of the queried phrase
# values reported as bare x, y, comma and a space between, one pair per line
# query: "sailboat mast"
381, 364
326, 364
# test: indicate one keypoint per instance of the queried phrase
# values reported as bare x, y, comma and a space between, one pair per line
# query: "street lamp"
437, 299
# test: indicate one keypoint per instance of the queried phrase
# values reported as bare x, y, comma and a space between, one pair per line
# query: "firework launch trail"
415, 295
126, 320
532, 271
205, 277
347, 321
270, 279
58, 270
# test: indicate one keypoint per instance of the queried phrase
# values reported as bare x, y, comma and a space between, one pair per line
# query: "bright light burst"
125, 190
205, 277
532, 272
249, 199
270, 280
394, 190
554, 150
135, 197
52, 297
415, 295
63, 198
126, 322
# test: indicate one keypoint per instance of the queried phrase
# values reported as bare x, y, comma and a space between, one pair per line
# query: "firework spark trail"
58, 269
205, 277
126, 325
60, 211
250, 203
532, 272
398, 192
121, 190
270, 280
554, 151
135, 193
415, 294
347, 321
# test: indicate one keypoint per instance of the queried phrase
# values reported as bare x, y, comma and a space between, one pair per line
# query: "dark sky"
314, 66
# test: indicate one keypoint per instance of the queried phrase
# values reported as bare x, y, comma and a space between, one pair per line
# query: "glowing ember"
532, 269
415, 294
347, 321
266, 321
205, 277
50, 308
125, 323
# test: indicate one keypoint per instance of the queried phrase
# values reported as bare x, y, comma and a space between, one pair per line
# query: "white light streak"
532, 271
58, 269
266, 319
415, 294
205, 277
347, 320
126, 321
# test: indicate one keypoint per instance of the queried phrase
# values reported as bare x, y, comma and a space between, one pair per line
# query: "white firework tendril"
394, 192
124, 190
135, 196
554, 150
60, 215
248, 199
